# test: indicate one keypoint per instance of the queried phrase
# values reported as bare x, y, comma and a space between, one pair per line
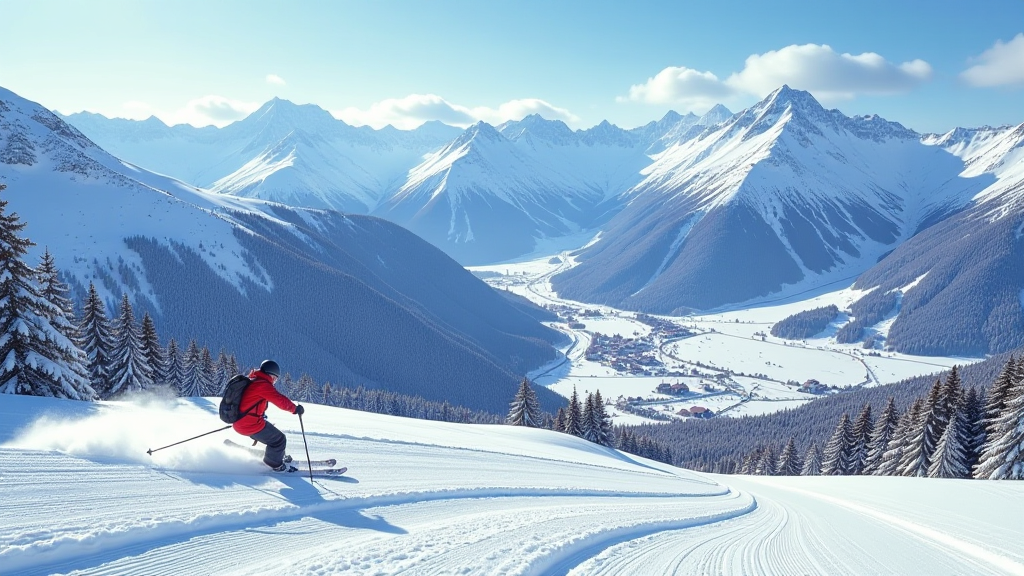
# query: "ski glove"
299, 409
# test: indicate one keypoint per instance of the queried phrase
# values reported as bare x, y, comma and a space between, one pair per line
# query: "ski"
316, 472
258, 452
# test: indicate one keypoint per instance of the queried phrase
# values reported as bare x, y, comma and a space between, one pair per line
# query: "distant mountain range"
694, 213
354, 300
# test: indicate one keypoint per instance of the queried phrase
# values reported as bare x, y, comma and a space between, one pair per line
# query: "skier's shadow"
310, 499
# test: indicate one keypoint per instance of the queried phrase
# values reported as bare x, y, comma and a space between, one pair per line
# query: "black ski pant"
275, 441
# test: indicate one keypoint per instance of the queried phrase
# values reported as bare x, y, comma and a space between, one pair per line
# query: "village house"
696, 412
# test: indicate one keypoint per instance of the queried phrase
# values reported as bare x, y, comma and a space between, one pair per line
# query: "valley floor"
80, 495
729, 360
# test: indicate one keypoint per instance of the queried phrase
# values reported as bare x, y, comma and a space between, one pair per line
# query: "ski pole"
151, 450
309, 462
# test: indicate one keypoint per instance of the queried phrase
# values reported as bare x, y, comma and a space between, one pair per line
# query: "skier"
254, 424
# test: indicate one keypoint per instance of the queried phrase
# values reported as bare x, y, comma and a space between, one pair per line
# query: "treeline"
305, 389
587, 420
805, 324
708, 444
951, 432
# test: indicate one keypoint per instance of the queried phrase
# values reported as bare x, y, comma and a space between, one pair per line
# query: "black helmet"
270, 368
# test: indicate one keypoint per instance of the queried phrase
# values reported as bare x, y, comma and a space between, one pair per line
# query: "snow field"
436, 498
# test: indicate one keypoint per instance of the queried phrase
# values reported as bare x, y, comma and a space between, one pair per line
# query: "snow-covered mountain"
342, 298
81, 496
782, 196
299, 155
485, 195
960, 283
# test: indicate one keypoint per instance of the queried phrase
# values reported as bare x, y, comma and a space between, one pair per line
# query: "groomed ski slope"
79, 495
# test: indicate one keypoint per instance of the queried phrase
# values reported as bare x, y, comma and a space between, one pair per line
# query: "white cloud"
1000, 65
275, 79
828, 74
413, 110
216, 110
680, 85
818, 69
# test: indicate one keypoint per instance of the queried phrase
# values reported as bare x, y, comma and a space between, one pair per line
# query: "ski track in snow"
434, 498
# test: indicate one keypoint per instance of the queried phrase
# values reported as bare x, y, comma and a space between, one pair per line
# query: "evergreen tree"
790, 463
812, 461
838, 459
191, 382
208, 374
97, 341
559, 423
174, 370
156, 356
950, 457
1003, 455
525, 409
769, 462
995, 399
881, 435
862, 428
927, 431
224, 372
604, 422
233, 367
36, 357
591, 428
61, 316
305, 390
901, 436
129, 367
574, 416
750, 461
973, 411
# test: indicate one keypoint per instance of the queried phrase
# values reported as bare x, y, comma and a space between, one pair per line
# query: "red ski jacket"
255, 399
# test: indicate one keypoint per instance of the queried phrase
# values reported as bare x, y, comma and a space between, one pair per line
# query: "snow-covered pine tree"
769, 463
35, 357
996, 397
97, 341
881, 435
950, 457
812, 461
305, 391
790, 463
224, 372
191, 382
973, 409
931, 422
208, 374
129, 370
174, 369
838, 459
589, 424
750, 461
901, 436
525, 409
559, 423
862, 428
604, 437
1003, 455
56, 292
156, 356
233, 367
61, 315
574, 416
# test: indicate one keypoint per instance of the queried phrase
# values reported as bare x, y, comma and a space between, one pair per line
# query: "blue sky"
931, 65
